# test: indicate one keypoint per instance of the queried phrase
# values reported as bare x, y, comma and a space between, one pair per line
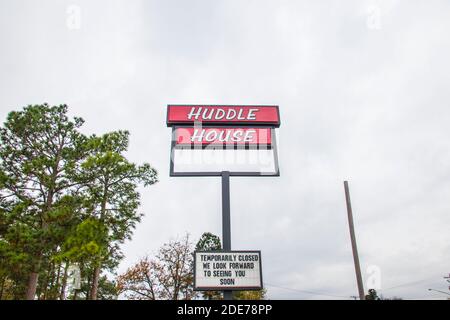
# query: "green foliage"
40, 147
107, 289
372, 295
250, 295
208, 242
87, 241
111, 183
64, 197
110, 191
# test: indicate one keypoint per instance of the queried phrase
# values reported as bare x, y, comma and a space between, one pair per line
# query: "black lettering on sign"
240, 273
222, 273
242, 265
227, 281
248, 257
219, 265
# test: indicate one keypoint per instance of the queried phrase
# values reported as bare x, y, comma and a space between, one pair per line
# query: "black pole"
353, 239
226, 222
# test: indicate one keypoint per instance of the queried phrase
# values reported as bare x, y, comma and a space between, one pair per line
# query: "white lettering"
231, 114
198, 136
249, 135
206, 116
237, 136
211, 136
220, 114
195, 114
251, 115
240, 117
227, 137
222, 136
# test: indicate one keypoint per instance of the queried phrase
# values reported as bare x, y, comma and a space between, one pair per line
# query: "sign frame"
229, 288
275, 173
222, 123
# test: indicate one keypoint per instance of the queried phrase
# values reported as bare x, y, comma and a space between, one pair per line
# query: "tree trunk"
34, 275
96, 277
58, 276
32, 285
49, 293
62, 295
2, 287
47, 281
95, 281
88, 287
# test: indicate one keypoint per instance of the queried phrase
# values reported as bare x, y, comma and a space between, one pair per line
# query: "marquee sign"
232, 115
227, 270
204, 136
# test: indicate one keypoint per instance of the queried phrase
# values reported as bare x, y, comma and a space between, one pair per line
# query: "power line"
425, 298
423, 282
308, 292
408, 284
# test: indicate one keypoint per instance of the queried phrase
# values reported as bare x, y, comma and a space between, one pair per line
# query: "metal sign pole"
226, 222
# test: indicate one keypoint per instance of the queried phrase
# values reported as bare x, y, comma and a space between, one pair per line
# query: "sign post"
226, 222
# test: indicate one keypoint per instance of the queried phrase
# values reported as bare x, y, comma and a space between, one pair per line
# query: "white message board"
227, 270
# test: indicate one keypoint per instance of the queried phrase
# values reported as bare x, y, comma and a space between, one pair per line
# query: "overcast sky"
364, 95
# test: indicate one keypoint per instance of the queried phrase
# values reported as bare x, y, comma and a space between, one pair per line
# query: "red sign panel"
206, 114
220, 136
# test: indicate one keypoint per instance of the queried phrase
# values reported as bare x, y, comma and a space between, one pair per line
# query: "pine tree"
64, 198
111, 194
40, 150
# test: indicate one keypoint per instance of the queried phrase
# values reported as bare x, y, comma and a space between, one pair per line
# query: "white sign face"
229, 270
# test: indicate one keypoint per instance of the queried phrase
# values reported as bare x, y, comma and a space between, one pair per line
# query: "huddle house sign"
207, 125
242, 127
225, 115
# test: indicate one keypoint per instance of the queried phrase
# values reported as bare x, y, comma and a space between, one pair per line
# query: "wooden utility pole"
353, 239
